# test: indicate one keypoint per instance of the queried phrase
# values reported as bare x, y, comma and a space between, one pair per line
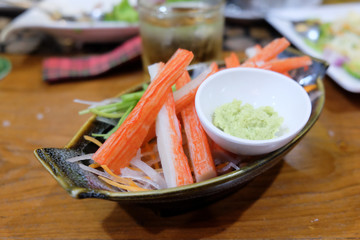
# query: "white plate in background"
38, 19
282, 20
257, 9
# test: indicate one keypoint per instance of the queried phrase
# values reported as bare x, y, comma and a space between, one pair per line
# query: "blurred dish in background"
285, 22
10, 7
75, 20
257, 9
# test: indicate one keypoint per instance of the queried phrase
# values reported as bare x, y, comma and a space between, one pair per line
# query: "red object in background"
59, 68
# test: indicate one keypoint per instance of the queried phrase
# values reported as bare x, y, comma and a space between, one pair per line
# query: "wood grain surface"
313, 193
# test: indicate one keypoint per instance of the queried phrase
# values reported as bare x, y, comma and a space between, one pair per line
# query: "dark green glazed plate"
81, 184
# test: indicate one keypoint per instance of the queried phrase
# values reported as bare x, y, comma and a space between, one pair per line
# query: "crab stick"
232, 61
174, 162
287, 64
269, 52
252, 51
186, 94
198, 145
119, 149
173, 159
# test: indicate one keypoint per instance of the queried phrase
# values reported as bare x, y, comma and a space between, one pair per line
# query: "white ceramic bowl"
259, 88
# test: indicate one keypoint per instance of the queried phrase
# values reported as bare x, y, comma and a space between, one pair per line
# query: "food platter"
283, 22
81, 184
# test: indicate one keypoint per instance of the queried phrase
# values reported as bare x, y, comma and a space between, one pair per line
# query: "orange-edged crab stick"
198, 145
252, 51
232, 61
269, 52
287, 64
186, 94
169, 141
119, 149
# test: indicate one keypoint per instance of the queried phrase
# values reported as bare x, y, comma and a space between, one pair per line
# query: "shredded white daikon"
93, 104
149, 171
109, 121
80, 158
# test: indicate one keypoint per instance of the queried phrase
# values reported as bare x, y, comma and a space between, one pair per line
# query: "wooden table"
313, 193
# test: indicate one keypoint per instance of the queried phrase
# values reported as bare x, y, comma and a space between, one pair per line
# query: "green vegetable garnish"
118, 110
353, 68
5, 67
122, 12
121, 120
339, 40
324, 36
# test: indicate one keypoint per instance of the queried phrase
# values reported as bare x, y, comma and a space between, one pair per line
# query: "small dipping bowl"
257, 87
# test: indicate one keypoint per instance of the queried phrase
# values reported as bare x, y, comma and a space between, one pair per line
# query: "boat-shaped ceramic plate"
82, 184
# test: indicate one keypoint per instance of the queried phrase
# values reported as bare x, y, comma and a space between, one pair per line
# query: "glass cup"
195, 25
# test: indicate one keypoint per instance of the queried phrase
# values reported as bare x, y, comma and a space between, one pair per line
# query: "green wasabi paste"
244, 121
